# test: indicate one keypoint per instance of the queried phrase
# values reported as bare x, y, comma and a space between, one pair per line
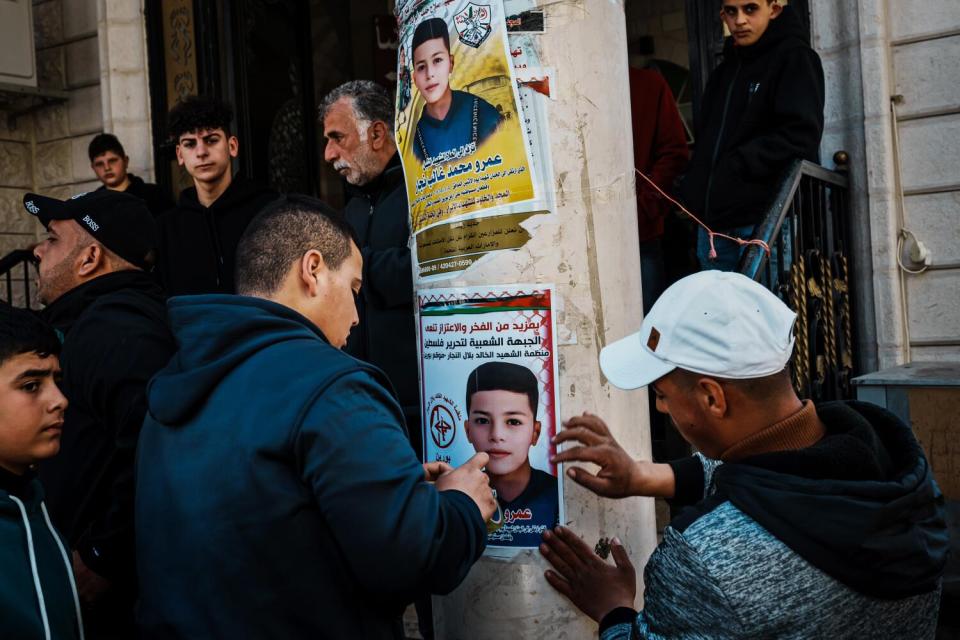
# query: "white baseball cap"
714, 322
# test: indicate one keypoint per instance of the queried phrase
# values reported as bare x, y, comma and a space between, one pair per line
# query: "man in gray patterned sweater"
804, 521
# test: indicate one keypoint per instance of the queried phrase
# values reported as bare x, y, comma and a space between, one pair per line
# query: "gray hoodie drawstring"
33, 567
36, 573
69, 565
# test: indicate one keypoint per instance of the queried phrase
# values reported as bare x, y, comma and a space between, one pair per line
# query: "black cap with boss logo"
119, 221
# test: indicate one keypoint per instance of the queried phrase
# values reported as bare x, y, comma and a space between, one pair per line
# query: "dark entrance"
273, 60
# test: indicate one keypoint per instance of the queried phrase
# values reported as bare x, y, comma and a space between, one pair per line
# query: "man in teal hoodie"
281, 497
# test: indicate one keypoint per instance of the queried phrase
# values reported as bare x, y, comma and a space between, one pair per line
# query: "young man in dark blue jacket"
281, 497
762, 108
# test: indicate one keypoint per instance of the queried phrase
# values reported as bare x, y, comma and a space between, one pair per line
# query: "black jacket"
386, 336
198, 245
762, 108
861, 505
115, 337
156, 198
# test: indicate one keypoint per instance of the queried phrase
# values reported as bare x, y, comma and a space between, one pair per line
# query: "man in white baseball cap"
803, 520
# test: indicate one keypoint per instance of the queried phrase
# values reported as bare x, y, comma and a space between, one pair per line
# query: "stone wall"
835, 34
95, 50
873, 50
67, 58
923, 52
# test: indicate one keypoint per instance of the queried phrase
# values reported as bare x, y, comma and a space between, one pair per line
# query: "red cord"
710, 232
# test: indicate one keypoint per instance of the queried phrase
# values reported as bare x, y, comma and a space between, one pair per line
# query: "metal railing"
809, 267
8, 268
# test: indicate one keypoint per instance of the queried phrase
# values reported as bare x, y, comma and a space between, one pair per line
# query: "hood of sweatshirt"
861, 504
215, 334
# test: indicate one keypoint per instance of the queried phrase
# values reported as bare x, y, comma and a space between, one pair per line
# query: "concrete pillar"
590, 252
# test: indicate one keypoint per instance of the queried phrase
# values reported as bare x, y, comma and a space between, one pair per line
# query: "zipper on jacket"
716, 146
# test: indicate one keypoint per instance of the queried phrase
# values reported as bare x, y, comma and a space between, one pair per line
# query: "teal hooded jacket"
38, 597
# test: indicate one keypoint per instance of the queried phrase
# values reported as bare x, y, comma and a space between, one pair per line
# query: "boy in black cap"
112, 316
198, 238
452, 124
109, 161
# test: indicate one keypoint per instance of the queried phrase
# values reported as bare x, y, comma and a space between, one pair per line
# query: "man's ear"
90, 259
377, 134
536, 433
712, 398
179, 155
775, 10
311, 267
233, 145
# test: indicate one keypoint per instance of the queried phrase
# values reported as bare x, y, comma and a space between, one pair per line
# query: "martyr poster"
459, 126
488, 369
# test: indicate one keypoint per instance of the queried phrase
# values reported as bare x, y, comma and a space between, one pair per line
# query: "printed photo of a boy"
501, 401
450, 119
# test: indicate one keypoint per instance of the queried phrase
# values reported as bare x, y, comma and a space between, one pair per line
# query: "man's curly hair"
196, 113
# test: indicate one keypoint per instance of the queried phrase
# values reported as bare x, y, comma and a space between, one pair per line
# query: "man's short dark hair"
103, 143
428, 30
504, 376
22, 331
371, 102
196, 113
280, 235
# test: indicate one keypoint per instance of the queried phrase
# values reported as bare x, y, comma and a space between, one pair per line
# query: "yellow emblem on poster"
459, 124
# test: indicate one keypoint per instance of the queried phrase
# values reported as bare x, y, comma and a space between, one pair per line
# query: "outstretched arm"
620, 476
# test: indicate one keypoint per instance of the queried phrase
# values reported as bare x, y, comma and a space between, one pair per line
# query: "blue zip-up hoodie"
277, 493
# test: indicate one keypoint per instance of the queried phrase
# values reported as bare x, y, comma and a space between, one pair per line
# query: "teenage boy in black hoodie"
198, 238
762, 108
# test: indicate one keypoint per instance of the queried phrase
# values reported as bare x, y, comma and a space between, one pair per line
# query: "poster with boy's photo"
488, 366
459, 123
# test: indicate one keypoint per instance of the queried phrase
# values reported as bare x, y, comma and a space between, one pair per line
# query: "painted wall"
873, 50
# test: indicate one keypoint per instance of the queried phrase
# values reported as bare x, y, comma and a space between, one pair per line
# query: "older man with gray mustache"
357, 122
358, 127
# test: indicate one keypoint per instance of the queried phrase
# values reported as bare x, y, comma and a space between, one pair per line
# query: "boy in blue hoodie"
38, 598
278, 495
